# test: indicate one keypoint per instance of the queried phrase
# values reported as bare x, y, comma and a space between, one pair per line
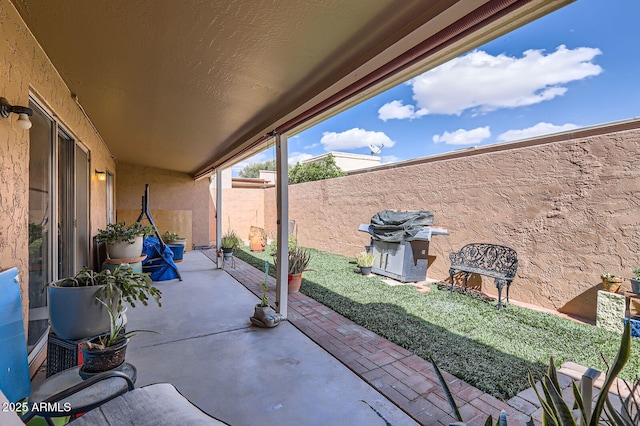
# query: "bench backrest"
489, 257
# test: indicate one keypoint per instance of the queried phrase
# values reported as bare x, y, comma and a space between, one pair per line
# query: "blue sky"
576, 67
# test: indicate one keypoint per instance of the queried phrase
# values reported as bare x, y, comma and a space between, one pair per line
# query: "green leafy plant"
230, 240
325, 168
170, 236
292, 241
365, 259
120, 284
636, 272
611, 277
253, 170
116, 334
121, 232
264, 300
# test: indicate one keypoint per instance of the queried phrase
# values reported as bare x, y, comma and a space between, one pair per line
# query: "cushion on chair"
154, 405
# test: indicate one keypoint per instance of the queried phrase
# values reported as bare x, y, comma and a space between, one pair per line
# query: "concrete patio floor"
242, 374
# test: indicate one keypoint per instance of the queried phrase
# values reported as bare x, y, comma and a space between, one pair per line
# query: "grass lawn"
464, 333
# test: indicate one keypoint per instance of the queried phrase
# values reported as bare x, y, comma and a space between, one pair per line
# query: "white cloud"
463, 137
539, 129
396, 109
484, 83
354, 138
297, 157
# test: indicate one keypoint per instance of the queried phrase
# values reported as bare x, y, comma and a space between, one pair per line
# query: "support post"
218, 214
282, 202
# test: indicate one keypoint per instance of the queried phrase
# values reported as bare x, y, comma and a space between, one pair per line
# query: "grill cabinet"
400, 244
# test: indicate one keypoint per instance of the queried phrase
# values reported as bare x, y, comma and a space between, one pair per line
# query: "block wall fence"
567, 203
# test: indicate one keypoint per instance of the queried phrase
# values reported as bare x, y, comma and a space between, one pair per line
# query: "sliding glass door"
58, 215
40, 223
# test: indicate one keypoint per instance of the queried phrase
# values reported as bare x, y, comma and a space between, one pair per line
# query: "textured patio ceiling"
187, 85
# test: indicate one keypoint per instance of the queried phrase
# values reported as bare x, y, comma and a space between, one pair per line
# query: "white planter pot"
123, 250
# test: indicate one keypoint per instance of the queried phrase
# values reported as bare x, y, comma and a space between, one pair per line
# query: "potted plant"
635, 281
365, 262
108, 351
257, 239
124, 242
292, 241
74, 310
299, 259
229, 242
611, 282
176, 244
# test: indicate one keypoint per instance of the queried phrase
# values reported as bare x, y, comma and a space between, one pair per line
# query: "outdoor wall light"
102, 176
23, 120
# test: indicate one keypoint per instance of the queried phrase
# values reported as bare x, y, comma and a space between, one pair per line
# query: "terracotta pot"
96, 361
295, 281
612, 284
257, 239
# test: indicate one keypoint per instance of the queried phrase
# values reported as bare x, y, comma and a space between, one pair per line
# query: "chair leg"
451, 273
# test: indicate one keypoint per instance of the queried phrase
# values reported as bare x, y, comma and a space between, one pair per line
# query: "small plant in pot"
611, 282
124, 242
635, 281
74, 310
229, 242
299, 259
108, 351
176, 244
263, 315
365, 262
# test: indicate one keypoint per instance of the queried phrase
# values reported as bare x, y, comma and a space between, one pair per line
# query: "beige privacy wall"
183, 202
242, 208
569, 208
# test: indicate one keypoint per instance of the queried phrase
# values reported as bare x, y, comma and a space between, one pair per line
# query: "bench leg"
451, 273
500, 283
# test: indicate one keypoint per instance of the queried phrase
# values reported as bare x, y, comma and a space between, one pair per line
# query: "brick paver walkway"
404, 378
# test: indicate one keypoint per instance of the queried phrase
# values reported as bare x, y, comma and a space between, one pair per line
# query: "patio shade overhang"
192, 85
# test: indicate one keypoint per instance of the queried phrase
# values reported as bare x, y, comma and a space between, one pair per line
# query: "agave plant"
557, 412
299, 259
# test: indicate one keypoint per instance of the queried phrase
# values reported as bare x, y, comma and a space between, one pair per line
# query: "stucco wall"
568, 207
241, 209
168, 190
25, 69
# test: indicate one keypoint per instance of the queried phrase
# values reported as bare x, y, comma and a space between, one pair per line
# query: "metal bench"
498, 262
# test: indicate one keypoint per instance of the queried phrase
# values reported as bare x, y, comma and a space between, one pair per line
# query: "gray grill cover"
395, 227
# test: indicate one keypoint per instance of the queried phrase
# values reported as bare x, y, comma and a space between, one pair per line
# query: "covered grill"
400, 243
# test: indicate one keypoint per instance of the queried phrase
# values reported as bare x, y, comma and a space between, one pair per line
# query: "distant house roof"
251, 183
348, 161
